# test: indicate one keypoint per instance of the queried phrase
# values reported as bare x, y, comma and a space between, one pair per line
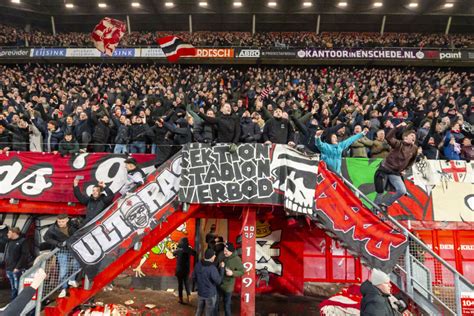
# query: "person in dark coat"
100, 137
17, 255
210, 237
376, 293
250, 132
56, 237
68, 145
207, 277
122, 137
52, 135
138, 134
204, 132
96, 202
227, 125
278, 130
83, 131
20, 132
183, 255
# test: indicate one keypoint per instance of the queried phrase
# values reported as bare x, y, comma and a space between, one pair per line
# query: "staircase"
436, 291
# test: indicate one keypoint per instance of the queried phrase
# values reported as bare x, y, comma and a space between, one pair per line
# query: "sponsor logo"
82, 52
14, 53
123, 52
471, 55
420, 55
358, 54
249, 53
49, 52
450, 55
215, 52
152, 52
431, 54
279, 53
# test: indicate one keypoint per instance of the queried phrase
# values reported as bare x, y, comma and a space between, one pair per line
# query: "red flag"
174, 47
107, 35
344, 215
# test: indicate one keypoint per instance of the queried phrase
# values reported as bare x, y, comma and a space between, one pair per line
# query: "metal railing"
422, 274
60, 267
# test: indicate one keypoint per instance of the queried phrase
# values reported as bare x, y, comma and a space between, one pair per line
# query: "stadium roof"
223, 15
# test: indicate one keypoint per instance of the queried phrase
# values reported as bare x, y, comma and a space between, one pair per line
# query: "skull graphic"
295, 178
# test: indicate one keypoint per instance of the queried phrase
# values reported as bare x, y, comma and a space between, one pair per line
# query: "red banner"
344, 215
247, 298
49, 177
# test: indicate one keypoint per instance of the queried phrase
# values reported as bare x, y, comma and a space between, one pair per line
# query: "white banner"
152, 52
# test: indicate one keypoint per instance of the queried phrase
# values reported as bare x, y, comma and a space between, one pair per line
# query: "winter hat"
378, 277
209, 254
230, 246
131, 160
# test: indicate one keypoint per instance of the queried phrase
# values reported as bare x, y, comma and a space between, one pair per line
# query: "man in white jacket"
135, 176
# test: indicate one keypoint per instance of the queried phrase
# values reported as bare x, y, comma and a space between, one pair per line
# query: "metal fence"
60, 267
423, 275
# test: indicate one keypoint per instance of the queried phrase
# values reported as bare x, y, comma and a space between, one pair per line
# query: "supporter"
122, 136
401, 157
17, 256
135, 176
100, 136
278, 130
380, 147
452, 149
227, 125
68, 145
331, 153
375, 295
19, 130
467, 150
250, 132
207, 277
56, 236
4, 139
138, 133
203, 131
96, 202
183, 256
233, 269
360, 148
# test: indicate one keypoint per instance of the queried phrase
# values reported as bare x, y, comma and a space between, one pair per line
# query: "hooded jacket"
374, 302
228, 127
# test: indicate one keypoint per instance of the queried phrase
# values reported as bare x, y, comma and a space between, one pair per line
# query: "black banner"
14, 52
128, 220
254, 173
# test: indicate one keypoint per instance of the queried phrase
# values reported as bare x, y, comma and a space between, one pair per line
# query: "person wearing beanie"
401, 157
233, 269
375, 295
207, 277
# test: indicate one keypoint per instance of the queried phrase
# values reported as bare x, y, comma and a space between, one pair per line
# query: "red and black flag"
174, 47
345, 216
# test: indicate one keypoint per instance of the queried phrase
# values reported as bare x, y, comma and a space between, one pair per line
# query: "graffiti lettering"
135, 212
31, 182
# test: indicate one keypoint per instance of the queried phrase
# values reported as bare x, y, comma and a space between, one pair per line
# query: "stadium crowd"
13, 36
151, 108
